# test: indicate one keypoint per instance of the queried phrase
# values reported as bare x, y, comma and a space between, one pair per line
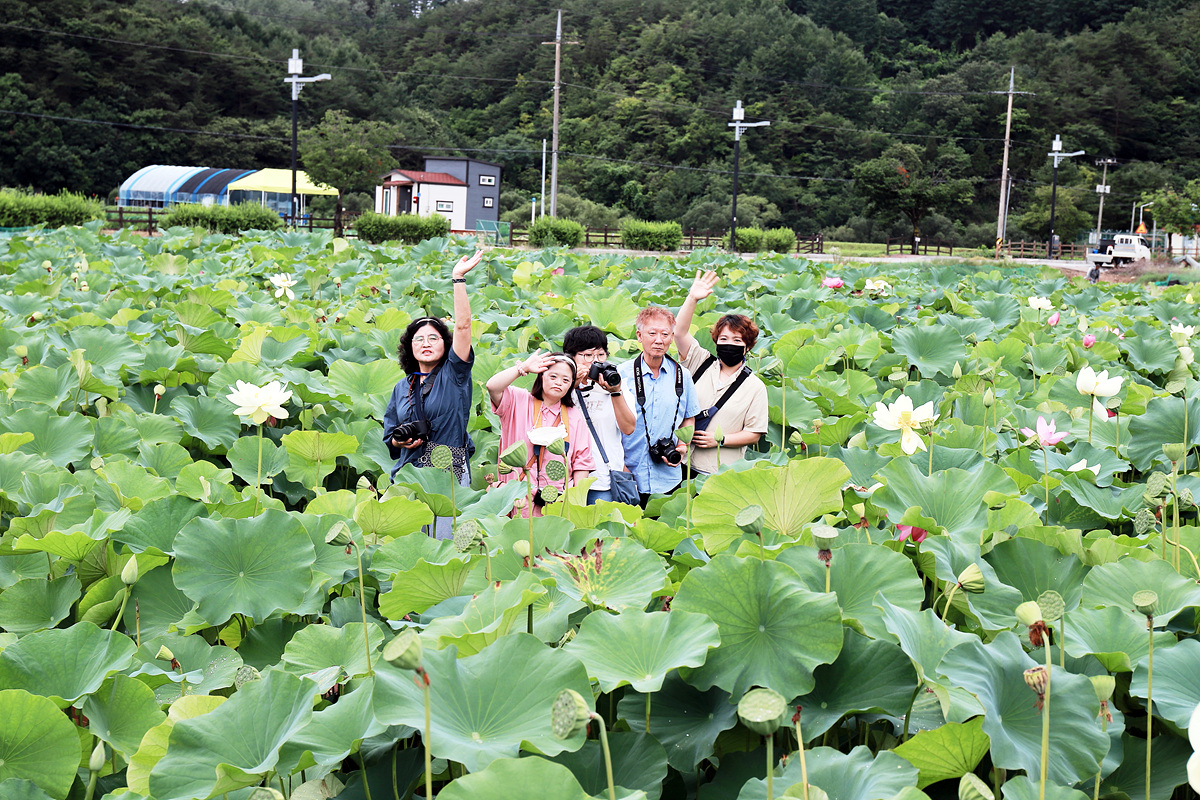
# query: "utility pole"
1002, 215
295, 67
1102, 189
738, 125
558, 43
1058, 155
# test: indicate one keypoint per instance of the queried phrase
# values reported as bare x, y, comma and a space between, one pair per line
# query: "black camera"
664, 452
611, 376
417, 429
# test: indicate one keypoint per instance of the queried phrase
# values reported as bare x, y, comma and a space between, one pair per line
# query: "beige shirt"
745, 410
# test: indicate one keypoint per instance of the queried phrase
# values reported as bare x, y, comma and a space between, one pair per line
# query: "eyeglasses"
432, 338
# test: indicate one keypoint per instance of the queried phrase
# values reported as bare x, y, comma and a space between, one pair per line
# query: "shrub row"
222, 219
21, 210
757, 240
638, 234
555, 232
407, 228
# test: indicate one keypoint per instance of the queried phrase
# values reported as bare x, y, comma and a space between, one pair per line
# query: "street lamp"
739, 114
1058, 155
295, 67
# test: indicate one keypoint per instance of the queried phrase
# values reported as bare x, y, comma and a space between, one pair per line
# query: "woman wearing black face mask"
733, 399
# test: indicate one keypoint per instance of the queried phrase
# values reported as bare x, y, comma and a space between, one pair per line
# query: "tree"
347, 155
1176, 211
901, 182
1069, 218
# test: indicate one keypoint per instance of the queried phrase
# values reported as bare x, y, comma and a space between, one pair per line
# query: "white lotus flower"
1088, 382
900, 416
1040, 303
877, 286
1082, 465
546, 436
283, 284
257, 403
1186, 354
1193, 764
1184, 331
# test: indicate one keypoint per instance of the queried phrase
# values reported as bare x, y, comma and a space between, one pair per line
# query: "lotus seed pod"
97, 759
503, 469
364, 484
685, 434
762, 710
404, 651
441, 457
21, 351
1029, 613
129, 574
467, 535
972, 787
898, 379
557, 448
971, 579
521, 548
824, 535
957, 372
1143, 521
1186, 499
749, 519
264, 793
556, 471
245, 674
159, 390
1052, 605
165, 654
1037, 679
1174, 451
796, 438
570, 714
339, 534
36, 316
550, 493
515, 456
1145, 602
1104, 686
989, 398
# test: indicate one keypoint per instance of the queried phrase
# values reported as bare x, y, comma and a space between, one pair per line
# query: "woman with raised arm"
432, 405
544, 413
733, 400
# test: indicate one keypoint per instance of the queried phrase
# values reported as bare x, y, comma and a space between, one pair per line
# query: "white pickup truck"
1124, 248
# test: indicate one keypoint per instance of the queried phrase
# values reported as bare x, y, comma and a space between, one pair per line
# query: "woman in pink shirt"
548, 404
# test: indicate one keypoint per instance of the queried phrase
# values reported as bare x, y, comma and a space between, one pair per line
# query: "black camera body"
611, 376
417, 429
663, 451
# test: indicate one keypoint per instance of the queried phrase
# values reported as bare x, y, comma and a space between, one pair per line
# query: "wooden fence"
903, 245
148, 219
1023, 249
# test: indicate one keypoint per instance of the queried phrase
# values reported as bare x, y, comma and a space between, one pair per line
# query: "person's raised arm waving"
702, 287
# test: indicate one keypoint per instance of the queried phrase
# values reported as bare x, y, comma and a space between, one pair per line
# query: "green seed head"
1052, 605
1037, 679
339, 534
550, 493
971, 579
557, 448
515, 456
1174, 451
685, 434
521, 548
1156, 483
749, 519
164, 653
824, 535
244, 675
1145, 602
899, 379
404, 651
441, 457
1029, 613
569, 715
989, 398
467, 535
556, 470
762, 710
1104, 686
264, 793
972, 787
1143, 522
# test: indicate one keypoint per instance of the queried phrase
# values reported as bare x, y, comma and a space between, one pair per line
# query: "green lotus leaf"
164, 459
489, 705
1150, 350
206, 482
203, 669
423, 571
774, 631
59, 440
513, 779
156, 604
932, 349
196, 340
312, 455
47, 386
243, 458
638, 762
1115, 637
1031, 567
64, 663
1026, 787
950, 751
133, 484
995, 674
108, 352
859, 573
685, 720
209, 419
1176, 681
1114, 585
34, 604
121, 713
434, 486
641, 649
489, 615
367, 386
790, 497
1168, 769
868, 676
245, 566
332, 733
1161, 423
318, 647
995, 604
611, 310
154, 744
236, 743
393, 517
627, 577
922, 636
856, 776
19, 789
949, 501
37, 744
156, 524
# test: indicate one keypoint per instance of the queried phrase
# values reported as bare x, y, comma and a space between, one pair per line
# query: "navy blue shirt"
447, 407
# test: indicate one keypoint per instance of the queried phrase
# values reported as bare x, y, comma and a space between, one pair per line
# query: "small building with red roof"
464, 190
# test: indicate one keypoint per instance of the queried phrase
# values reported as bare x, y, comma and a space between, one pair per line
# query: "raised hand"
538, 362
702, 287
466, 264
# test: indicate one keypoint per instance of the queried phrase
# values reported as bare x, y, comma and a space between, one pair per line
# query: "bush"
21, 210
555, 232
749, 240
222, 219
779, 240
406, 228
638, 234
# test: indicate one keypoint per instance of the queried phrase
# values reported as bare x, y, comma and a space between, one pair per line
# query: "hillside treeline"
647, 88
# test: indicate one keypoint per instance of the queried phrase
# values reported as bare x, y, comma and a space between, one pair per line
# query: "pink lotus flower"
1054, 318
833, 282
558, 271
911, 532
1045, 433
1088, 340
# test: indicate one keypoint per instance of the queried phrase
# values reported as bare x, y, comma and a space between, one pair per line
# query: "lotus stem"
529, 512
395, 787
800, 747
930, 474
362, 604
1045, 726
1149, 696
453, 505
1091, 414
1175, 506
121, 611
647, 712
1060, 638
1191, 555
362, 767
828, 567
1046, 474
423, 677
907, 714
691, 476
258, 474
612, 789
487, 554
770, 766
949, 599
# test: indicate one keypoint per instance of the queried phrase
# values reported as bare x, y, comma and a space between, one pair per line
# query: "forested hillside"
647, 90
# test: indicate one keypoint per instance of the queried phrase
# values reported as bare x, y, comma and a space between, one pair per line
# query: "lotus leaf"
1114, 584
1168, 754
639, 763
243, 458
488, 617
34, 604
854, 776
1025, 787
319, 647
59, 440
949, 501
1032, 567
154, 744
1176, 680
1115, 637
618, 574
37, 744
393, 517
512, 779
208, 419
641, 649
332, 733
950, 751
201, 669
121, 712
933, 350
64, 664
994, 606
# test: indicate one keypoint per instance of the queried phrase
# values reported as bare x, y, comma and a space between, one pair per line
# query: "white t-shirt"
604, 419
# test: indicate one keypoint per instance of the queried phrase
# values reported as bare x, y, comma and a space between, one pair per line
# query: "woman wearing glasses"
542, 414
432, 405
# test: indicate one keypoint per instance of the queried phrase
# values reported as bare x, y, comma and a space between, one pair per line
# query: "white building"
465, 191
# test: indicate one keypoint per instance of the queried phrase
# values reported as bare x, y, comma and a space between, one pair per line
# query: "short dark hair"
408, 362
738, 324
585, 337
559, 358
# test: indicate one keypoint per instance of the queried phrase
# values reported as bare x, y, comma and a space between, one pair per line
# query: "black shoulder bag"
706, 416
622, 485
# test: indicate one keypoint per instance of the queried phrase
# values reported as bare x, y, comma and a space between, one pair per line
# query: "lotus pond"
195, 606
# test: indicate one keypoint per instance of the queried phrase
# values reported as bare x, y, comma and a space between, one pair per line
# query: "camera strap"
641, 394
592, 427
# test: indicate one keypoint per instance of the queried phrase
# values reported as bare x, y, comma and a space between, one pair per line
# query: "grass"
859, 249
